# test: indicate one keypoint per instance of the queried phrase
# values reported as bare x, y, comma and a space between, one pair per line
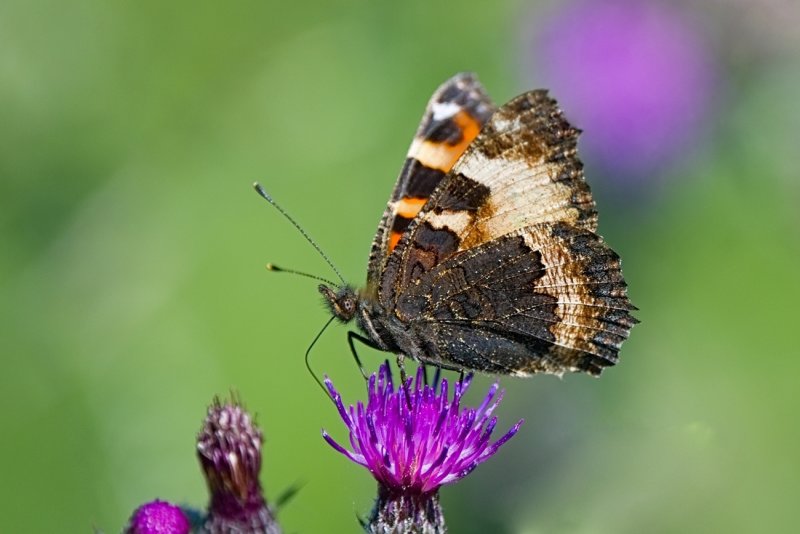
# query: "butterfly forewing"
454, 116
521, 170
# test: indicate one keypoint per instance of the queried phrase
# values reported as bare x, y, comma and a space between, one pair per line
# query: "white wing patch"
444, 110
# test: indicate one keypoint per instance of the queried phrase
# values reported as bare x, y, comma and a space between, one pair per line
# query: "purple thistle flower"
229, 449
638, 78
414, 440
158, 517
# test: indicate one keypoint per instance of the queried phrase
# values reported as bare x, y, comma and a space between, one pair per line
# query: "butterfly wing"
454, 116
501, 270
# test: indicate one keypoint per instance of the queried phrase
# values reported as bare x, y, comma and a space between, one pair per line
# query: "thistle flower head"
158, 517
415, 439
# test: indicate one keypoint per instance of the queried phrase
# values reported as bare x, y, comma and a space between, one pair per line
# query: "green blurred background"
133, 289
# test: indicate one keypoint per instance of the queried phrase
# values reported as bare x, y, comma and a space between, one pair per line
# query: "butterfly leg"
426, 375
436, 377
401, 366
366, 341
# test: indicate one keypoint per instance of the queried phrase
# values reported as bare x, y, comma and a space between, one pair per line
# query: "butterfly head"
343, 302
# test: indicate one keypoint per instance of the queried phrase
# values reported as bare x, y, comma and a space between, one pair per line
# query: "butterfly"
486, 257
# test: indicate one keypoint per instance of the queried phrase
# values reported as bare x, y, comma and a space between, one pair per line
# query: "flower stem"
404, 513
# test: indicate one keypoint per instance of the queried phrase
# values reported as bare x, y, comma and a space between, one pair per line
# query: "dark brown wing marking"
454, 116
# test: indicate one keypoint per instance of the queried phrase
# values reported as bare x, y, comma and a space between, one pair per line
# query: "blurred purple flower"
413, 440
158, 517
229, 449
637, 77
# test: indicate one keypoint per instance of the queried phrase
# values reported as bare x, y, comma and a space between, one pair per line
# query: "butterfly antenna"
266, 196
308, 361
274, 268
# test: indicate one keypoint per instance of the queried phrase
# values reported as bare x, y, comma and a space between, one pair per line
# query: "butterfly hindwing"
454, 116
546, 298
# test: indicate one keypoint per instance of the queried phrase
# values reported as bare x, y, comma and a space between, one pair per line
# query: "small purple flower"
158, 517
229, 449
414, 440
638, 77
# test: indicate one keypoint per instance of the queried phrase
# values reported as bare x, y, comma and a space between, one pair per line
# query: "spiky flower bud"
229, 449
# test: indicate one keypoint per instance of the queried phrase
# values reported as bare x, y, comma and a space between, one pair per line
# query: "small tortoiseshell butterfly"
486, 257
